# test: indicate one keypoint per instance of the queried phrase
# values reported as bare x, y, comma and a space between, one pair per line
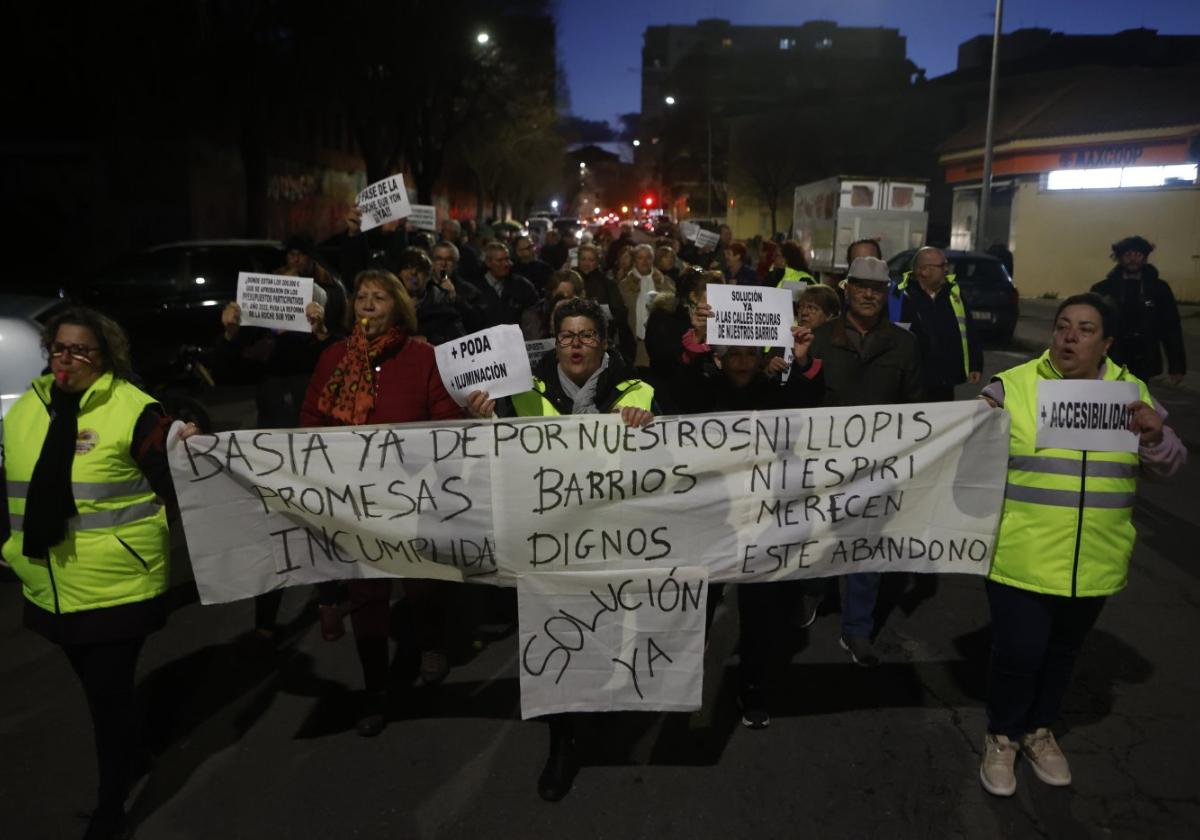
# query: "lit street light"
670, 100
637, 142
554, 204
582, 165
482, 38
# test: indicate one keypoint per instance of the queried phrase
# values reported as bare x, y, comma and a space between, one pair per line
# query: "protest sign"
751, 316
535, 350
688, 230
706, 239
384, 201
423, 217
492, 360
573, 257
276, 301
1085, 414
758, 496
611, 641
641, 307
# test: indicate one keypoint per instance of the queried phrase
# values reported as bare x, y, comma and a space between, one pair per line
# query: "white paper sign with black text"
536, 350
384, 201
1085, 414
275, 301
424, 217
752, 316
611, 641
492, 360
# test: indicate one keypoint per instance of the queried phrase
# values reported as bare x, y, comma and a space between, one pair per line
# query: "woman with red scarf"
381, 375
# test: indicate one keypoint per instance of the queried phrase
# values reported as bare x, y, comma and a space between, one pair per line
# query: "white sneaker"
996, 769
1047, 758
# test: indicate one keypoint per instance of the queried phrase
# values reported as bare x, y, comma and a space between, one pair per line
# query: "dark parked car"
170, 296
988, 291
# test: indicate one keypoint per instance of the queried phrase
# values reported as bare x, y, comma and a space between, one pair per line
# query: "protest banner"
536, 350
623, 640
423, 217
750, 316
1085, 414
275, 301
492, 360
750, 497
384, 201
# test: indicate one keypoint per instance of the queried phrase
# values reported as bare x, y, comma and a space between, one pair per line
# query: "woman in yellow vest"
87, 477
1065, 539
580, 378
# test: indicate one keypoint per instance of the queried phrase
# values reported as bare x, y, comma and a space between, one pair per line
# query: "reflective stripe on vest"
634, 393
896, 309
101, 518
91, 490
1066, 527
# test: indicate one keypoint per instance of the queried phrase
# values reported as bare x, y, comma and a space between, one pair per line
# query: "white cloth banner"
750, 316
275, 301
750, 497
384, 201
423, 216
612, 641
1085, 414
492, 360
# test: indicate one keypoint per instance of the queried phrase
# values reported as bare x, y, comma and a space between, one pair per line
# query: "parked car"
22, 318
170, 296
570, 228
537, 227
987, 290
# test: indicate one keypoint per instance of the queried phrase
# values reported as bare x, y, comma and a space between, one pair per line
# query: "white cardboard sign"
688, 230
536, 350
492, 360
573, 257
276, 301
424, 217
1085, 414
753, 316
706, 239
384, 201
612, 640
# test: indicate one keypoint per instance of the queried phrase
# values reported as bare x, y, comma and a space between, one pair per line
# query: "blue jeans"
859, 593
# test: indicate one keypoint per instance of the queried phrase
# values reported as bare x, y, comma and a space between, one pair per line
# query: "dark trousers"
106, 672
266, 605
370, 616
763, 609
939, 393
1035, 640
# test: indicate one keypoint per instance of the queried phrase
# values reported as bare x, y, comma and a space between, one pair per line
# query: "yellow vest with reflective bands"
795, 277
960, 312
116, 549
1067, 523
634, 393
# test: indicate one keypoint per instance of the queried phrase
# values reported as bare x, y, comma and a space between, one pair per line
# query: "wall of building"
1061, 239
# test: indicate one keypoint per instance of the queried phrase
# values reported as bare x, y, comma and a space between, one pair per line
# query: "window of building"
726, 42
1113, 178
824, 43
787, 43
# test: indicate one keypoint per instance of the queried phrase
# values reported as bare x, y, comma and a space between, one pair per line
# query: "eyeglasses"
588, 338
940, 265
79, 351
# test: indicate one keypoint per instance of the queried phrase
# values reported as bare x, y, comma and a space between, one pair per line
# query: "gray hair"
454, 223
453, 249
643, 248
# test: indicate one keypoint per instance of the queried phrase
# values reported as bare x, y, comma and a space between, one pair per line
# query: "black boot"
374, 714
561, 765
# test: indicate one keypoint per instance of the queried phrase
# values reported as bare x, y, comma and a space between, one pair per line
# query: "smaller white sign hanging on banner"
611, 641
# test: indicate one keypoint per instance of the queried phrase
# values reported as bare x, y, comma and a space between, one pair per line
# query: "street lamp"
670, 100
482, 38
637, 142
985, 192
554, 204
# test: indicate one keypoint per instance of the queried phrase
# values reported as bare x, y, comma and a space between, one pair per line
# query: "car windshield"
975, 270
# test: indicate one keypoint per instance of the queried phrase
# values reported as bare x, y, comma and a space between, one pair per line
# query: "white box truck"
830, 214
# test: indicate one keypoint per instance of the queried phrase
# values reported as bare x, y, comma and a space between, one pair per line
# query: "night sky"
600, 43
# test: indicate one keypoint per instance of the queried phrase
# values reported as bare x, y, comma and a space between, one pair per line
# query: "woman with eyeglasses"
87, 479
582, 377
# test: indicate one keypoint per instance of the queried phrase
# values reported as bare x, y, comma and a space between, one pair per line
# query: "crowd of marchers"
89, 488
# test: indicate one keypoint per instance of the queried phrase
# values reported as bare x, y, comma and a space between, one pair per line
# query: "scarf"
349, 393
583, 397
50, 501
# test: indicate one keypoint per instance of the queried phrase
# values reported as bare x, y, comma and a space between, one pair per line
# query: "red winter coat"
408, 388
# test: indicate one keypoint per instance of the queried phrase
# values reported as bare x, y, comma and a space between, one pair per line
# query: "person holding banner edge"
580, 378
380, 374
88, 482
1064, 544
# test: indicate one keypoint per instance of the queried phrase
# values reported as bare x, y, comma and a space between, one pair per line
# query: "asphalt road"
266, 748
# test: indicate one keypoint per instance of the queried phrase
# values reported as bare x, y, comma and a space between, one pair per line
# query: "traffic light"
648, 200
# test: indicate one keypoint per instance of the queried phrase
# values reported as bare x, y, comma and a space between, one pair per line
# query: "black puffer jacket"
1149, 323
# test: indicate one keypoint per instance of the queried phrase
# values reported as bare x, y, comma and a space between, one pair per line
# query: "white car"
21, 356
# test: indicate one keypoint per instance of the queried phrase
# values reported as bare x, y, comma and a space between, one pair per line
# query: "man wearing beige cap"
861, 358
